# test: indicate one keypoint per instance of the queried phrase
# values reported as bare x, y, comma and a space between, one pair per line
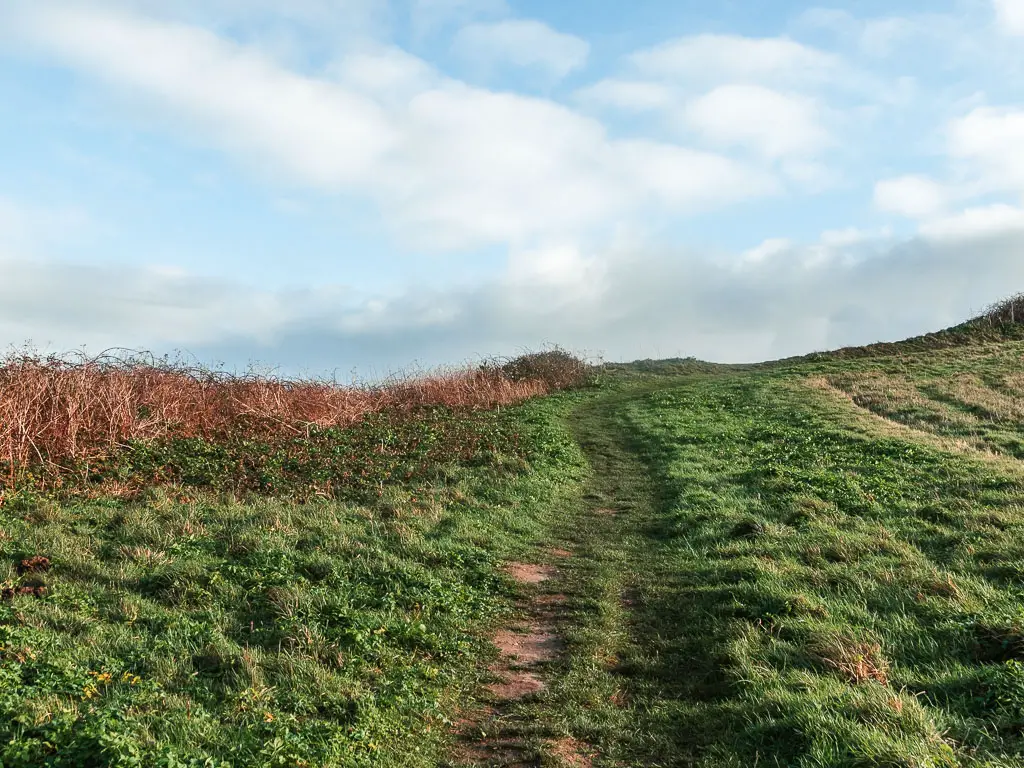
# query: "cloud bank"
625, 302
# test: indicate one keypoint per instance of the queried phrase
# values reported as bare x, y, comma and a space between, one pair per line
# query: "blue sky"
335, 184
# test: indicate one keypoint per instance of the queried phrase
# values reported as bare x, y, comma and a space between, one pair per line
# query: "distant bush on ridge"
1009, 311
555, 367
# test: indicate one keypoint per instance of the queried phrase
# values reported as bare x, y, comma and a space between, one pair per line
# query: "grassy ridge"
184, 627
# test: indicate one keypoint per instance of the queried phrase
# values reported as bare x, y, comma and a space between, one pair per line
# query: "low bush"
555, 367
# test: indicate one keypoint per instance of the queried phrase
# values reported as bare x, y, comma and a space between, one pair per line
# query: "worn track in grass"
763, 576
614, 594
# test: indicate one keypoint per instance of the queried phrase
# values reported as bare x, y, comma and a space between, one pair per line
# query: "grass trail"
643, 652
631, 662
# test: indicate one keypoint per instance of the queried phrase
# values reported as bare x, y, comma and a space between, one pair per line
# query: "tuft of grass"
856, 660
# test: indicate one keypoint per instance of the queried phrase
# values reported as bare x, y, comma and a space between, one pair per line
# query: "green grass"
188, 627
808, 582
812, 563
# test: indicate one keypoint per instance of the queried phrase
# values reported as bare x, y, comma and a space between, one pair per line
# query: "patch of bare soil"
527, 646
606, 511
35, 564
495, 751
524, 649
530, 573
571, 753
516, 684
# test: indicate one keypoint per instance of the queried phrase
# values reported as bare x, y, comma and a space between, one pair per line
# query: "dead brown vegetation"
857, 661
57, 412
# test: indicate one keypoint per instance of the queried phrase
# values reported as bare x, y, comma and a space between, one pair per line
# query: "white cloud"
991, 139
632, 95
498, 167
523, 43
846, 236
884, 35
767, 249
559, 275
240, 99
450, 165
983, 148
1010, 14
976, 222
387, 74
916, 197
67, 305
733, 58
686, 179
772, 123
853, 236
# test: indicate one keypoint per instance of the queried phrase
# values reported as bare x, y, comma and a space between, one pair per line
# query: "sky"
361, 186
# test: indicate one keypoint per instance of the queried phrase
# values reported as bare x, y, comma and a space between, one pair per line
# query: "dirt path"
530, 644
562, 692
494, 736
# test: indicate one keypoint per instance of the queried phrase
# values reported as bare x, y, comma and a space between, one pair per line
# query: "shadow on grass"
676, 667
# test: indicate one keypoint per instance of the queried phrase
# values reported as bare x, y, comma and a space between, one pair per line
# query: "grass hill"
813, 562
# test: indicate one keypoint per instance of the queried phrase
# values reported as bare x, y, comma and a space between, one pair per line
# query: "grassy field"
188, 627
816, 562
812, 564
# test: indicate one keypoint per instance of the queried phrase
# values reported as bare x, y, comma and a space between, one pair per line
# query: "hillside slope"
815, 562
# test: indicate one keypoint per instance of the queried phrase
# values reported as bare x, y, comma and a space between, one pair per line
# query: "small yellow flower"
267, 717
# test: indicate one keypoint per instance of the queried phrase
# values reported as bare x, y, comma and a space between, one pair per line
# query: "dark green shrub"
556, 367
